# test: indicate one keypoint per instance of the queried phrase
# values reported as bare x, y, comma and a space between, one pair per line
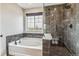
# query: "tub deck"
27, 47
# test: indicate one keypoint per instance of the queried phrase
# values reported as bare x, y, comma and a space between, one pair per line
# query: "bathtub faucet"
15, 42
19, 41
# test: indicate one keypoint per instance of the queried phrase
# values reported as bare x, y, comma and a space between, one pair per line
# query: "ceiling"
30, 5
35, 5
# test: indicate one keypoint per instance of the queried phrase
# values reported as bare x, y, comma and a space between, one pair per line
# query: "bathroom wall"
64, 22
12, 21
0, 30
77, 29
70, 28
53, 20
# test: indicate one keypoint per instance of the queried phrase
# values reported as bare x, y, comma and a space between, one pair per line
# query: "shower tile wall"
77, 29
53, 20
58, 20
70, 31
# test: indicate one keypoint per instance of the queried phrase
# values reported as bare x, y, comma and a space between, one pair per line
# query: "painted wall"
12, 21
0, 29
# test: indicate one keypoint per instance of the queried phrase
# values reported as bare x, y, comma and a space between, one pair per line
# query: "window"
34, 22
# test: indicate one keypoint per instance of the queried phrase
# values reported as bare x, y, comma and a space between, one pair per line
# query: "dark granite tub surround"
14, 37
34, 35
11, 38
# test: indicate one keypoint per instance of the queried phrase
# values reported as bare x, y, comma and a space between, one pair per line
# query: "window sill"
35, 32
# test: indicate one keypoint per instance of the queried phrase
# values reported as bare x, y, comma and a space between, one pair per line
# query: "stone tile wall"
62, 22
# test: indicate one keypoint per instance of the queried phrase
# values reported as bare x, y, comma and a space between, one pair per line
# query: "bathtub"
26, 47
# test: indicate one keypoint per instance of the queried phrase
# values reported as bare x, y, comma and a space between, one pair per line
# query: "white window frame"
26, 25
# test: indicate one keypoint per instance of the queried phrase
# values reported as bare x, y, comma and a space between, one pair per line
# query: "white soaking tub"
27, 46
